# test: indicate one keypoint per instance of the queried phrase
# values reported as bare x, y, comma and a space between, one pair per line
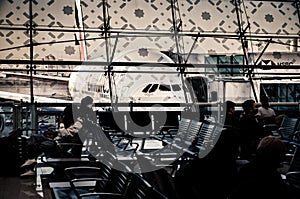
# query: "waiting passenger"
215, 173
265, 114
230, 119
67, 133
250, 130
267, 117
36, 145
259, 178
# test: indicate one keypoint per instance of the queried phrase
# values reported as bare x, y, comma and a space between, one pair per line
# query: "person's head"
230, 107
249, 106
86, 109
271, 150
86, 102
265, 101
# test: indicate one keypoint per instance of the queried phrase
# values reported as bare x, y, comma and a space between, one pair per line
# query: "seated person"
265, 114
250, 131
260, 178
231, 120
267, 117
67, 133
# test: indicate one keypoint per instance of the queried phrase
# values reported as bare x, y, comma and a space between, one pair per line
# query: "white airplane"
137, 84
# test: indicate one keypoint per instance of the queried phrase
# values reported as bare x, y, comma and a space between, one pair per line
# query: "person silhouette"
260, 178
66, 143
265, 114
250, 131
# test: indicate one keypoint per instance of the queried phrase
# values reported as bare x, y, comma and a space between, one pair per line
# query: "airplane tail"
81, 35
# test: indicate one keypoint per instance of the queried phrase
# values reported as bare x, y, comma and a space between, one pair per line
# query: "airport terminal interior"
158, 99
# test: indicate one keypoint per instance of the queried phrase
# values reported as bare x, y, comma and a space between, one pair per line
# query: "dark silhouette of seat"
183, 126
287, 129
119, 184
293, 173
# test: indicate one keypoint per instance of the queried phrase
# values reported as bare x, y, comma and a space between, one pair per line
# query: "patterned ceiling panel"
273, 17
212, 16
13, 15
50, 41
130, 43
92, 13
140, 17
12, 44
141, 14
53, 14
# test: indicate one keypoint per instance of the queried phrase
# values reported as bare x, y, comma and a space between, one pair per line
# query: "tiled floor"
18, 188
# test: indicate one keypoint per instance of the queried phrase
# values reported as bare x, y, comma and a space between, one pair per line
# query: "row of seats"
289, 129
289, 132
191, 140
103, 181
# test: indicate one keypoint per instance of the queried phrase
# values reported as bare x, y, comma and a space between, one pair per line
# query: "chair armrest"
271, 126
71, 169
82, 172
167, 127
105, 195
293, 179
88, 179
68, 144
170, 132
290, 173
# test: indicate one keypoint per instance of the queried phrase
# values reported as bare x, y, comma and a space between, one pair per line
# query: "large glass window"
223, 60
281, 92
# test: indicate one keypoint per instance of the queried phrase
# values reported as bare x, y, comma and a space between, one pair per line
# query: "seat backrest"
192, 132
216, 133
288, 128
288, 121
139, 188
205, 133
183, 126
295, 161
293, 174
118, 182
101, 172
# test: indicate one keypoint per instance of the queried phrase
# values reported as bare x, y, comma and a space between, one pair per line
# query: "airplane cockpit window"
176, 87
153, 88
164, 87
145, 90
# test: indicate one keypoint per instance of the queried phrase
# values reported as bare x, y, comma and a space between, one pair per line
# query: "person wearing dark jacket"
259, 178
250, 132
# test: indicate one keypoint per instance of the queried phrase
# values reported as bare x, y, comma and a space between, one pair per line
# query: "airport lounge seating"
89, 182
